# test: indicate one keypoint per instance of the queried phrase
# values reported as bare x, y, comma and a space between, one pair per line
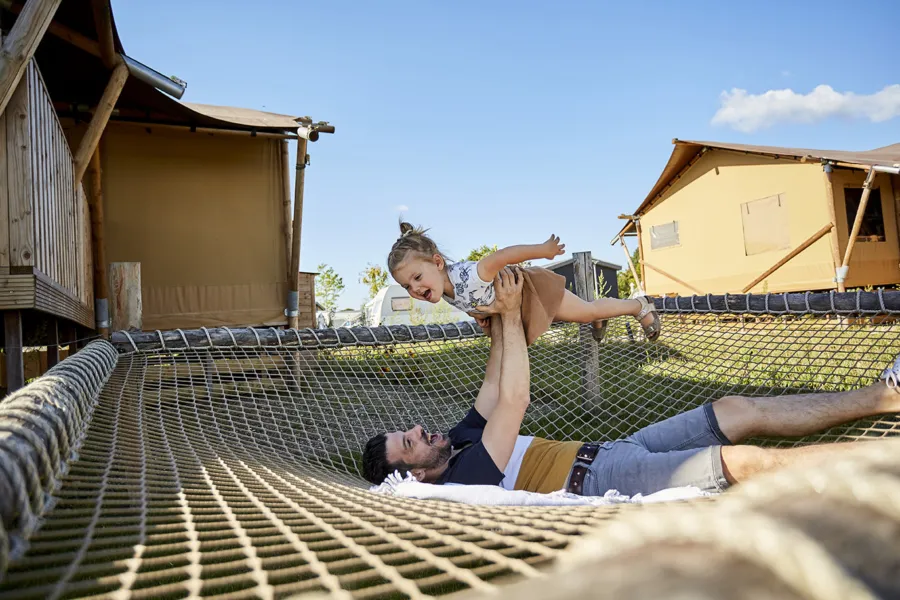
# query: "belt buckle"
587, 453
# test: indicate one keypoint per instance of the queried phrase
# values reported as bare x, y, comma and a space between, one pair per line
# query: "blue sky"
502, 122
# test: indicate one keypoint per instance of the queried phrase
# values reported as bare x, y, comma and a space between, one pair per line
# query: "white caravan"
393, 306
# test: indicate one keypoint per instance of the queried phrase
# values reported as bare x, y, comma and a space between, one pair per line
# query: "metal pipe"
154, 78
311, 131
882, 169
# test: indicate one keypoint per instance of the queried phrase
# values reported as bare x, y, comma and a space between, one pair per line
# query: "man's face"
417, 448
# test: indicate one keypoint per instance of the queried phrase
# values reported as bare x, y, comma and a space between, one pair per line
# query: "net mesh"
233, 471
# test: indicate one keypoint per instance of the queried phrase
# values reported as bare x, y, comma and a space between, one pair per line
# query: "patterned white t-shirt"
468, 288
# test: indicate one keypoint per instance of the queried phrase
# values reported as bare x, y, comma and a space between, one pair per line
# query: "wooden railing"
48, 214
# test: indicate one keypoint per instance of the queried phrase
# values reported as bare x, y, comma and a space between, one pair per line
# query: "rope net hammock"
225, 463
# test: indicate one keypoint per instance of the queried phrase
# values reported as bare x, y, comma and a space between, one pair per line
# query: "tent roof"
244, 116
686, 151
76, 77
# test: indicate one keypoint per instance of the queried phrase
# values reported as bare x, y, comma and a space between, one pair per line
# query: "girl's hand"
484, 323
552, 248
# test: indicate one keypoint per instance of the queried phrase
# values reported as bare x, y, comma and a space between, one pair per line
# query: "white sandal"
654, 328
891, 375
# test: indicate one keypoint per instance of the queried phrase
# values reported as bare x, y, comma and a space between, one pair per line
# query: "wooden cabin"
101, 164
736, 218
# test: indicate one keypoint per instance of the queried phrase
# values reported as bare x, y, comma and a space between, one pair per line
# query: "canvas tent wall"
721, 215
203, 216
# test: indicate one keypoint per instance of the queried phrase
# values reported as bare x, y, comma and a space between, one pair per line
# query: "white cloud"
785, 73
401, 208
750, 112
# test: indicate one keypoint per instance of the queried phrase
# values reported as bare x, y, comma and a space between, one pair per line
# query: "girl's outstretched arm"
490, 265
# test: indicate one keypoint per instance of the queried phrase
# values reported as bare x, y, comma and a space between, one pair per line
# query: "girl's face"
423, 278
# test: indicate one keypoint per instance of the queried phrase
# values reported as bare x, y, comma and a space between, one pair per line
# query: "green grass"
639, 383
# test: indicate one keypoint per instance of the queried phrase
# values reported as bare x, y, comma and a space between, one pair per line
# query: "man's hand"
507, 292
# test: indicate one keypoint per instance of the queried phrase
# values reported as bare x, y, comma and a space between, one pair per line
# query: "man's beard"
439, 455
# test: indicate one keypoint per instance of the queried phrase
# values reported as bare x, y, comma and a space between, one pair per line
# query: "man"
698, 448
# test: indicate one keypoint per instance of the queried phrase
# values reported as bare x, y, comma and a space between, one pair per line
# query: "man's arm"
490, 388
502, 428
490, 265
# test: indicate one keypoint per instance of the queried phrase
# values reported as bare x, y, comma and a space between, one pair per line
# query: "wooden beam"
207, 130
857, 222
103, 24
98, 123
642, 279
15, 361
98, 245
66, 34
19, 46
637, 280
672, 277
294, 289
809, 242
53, 343
286, 204
835, 244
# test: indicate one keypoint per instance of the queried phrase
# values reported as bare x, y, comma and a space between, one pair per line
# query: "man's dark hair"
375, 465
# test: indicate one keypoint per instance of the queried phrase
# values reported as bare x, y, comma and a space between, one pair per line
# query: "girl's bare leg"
575, 310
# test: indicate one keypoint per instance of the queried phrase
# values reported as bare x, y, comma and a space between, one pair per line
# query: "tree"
480, 252
374, 277
483, 250
329, 286
627, 284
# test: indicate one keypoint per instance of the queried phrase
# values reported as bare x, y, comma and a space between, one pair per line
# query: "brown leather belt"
586, 455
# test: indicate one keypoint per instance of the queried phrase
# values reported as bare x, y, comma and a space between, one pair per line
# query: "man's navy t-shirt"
472, 465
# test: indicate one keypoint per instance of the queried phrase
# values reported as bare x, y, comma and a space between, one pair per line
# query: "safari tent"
104, 172
736, 218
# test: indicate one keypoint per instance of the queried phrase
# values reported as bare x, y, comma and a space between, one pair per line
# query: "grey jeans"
685, 450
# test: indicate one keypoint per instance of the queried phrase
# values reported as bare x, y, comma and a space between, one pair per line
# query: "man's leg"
740, 463
741, 417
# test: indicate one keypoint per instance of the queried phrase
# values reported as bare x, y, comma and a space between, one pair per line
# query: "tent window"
400, 304
872, 227
765, 223
664, 236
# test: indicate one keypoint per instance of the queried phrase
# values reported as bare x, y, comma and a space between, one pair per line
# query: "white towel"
409, 487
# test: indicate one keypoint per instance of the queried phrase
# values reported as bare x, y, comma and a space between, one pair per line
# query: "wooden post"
294, 290
286, 205
53, 343
857, 223
125, 286
19, 46
103, 25
98, 122
15, 359
586, 289
642, 279
634, 274
672, 277
98, 245
835, 245
809, 242
20, 197
67, 336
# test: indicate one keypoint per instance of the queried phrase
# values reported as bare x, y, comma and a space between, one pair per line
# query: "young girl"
417, 264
